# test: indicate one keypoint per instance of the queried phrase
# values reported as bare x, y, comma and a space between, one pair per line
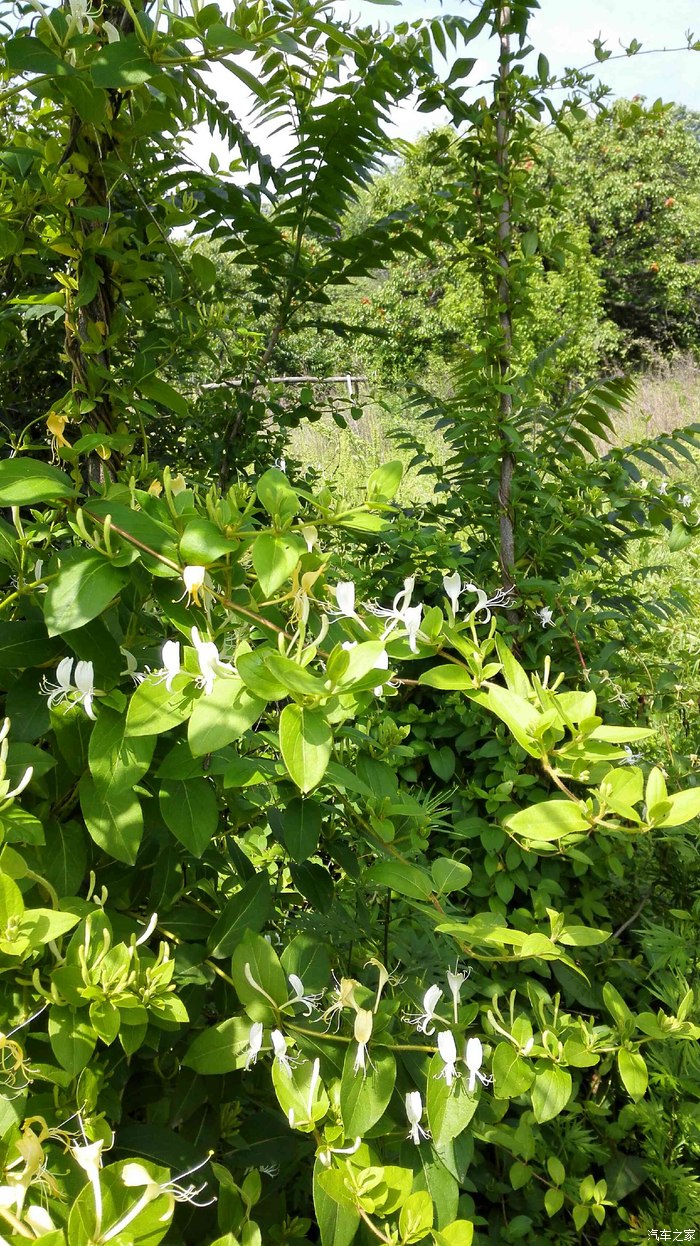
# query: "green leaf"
64, 857
309, 960
315, 883
115, 823
521, 718
220, 1049
416, 1218
152, 709
256, 675
553, 1201
83, 588
117, 761
384, 482
275, 558
361, 663
11, 902
141, 527
24, 481
363, 1100
459, 1233
26, 644
222, 716
448, 678
124, 64
449, 875
72, 1039
293, 677
27, 54
337, 1221
249, 909
265, 968
302, 827
556, 1170
547, 821
616, 1006
407, 880
203, 543
305, 741
621, 735
277, 496
633, 1072
190, 811
684, 807
449, 1108
512, 1075
550, 1093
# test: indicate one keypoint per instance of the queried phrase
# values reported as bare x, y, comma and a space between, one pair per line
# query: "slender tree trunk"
505, 345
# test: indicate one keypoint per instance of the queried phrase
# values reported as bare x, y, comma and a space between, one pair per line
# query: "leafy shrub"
246, 786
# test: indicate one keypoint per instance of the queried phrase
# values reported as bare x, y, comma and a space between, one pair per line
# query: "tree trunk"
505, 346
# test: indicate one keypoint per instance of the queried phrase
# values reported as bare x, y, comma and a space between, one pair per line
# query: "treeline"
614, 244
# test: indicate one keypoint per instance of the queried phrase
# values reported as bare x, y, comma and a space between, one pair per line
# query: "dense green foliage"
341, 899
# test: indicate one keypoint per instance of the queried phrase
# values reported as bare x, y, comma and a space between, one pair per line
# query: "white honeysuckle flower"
502, 597
78, 688
414, 1112
310, 535
281, 463
255, 1040
84, 677
395, 613
136, 1176
545, 616
663, 487
39, 1220
381, 664
454, 981
279, 1046
364, 1021
112, 37
447, 1048
18, 789
269, 1170
147, 930
412, 620
342, 997
170, 657
452, 585
131, 668
326, 1154
631, 758
474, 1058
422, 1020
313, 1083
80, 18
89, 1157
63, 687
685, 499
248, 975
210, 664
643, 484
308, 1000
193, 578
344, 592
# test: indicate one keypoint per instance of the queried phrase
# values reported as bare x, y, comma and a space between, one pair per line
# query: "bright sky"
563, 30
